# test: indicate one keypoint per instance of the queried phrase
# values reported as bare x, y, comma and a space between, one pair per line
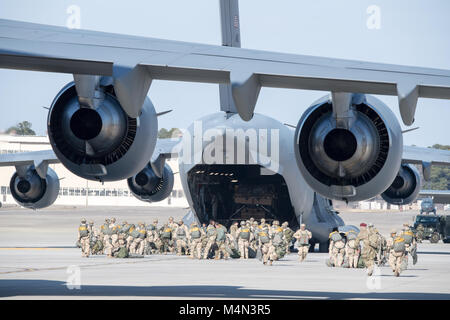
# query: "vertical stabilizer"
231, 37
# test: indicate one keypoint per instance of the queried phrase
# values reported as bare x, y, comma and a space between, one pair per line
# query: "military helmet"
303, 225
125, 222
252, 219
255, 223
113, 220
243, 223
91, 222
180, 222
263, 220
285, 224
83, 220
393, 231
276, 223
106, 220
155, 221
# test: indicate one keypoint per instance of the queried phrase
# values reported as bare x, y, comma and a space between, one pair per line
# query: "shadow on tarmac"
33, 288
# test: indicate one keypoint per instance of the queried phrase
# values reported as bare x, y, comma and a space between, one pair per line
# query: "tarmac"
38, 260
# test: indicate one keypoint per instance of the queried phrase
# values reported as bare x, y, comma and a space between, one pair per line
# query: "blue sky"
412, 32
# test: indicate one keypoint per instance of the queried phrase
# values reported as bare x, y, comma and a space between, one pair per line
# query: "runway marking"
30, 248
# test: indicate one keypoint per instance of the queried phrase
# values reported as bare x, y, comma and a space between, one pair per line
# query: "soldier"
244, 237
233, 230
264, 244
277, 248
107, 232
275, 226
211, 234
83, 238
352, 249
181, 237
420, 231
114, 233
221, 239
368, 252
153, 241
390, 247
336, 248
172, 225
166, 238
288, 233
397, 253
303, 236
254, 243
381, 252
410, 244
139, 234
196, 234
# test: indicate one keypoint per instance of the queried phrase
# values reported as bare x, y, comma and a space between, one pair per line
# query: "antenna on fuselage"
231, 37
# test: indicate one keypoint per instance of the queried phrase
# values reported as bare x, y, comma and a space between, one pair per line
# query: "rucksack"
195, 233
335, 236
122, 253
399, 244
244, 234
83, 230
374, 240
167, 233
220, 234
263, 237
352, 244
408, 236
142, 233
277, 240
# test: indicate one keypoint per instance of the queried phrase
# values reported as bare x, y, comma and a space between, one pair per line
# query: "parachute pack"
244, 234
408, 236
167, 233
195, 233
263, 237
399, 244
83, 231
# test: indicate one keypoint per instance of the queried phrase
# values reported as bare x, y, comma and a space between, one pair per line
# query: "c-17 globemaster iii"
234, 163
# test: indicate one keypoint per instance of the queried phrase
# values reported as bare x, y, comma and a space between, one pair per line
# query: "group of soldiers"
247, 239
369, 248
243, 240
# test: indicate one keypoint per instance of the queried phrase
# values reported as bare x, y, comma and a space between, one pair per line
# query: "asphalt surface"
38, 261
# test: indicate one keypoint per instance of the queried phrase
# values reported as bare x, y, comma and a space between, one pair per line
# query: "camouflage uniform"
368, 253
221, 243
244, 237
83, 238
352, 249
233, 230
181, 237
196, 235
211, 234
288, 234
166, 238
336, 248
277, 247
153, 240
396, 257
303, 236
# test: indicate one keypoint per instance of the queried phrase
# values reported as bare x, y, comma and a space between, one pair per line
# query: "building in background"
77, 191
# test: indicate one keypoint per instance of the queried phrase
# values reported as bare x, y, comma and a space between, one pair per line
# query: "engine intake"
31, 191
101, 142
147, 186
405, 188
354, 163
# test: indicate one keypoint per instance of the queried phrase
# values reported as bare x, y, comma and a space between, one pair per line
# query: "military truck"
427, 206
435, 228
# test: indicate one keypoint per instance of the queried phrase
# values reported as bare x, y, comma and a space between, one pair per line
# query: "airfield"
38, 260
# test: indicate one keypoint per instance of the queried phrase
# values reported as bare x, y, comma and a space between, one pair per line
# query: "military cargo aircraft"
234, 163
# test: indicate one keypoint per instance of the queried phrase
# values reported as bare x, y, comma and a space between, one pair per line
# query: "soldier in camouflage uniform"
277, 248
83, 238
352, 249
211, 234
196, 236
181, 238
107, 232
233, 230
221, 243
244, 237
264, 243
288, 234
153, 241
368, 252
303, 236
172, 225
166, 238
336, 248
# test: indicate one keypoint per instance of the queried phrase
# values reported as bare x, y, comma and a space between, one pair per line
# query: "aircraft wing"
134, 61
168, 148
439, 196
418, 155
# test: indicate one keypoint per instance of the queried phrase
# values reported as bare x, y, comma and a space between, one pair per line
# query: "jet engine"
405, 188
147, 186
33, 192
353, 162
101, 142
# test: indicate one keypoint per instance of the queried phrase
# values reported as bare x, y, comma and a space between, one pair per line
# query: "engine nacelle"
147, 186
31, 191
351, 164
101, 143
405, 188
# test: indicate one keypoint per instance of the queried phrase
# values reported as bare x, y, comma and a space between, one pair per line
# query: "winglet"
131, 86
245, 88
408, 94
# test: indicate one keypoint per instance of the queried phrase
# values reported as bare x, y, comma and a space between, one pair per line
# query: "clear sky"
411, 32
